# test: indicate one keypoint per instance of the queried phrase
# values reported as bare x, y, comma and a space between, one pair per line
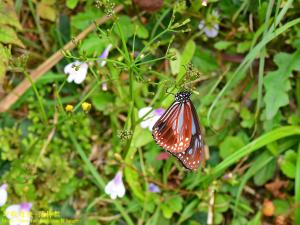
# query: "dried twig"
210, 214
18, 91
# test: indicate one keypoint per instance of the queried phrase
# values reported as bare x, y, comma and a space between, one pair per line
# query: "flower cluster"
17, 214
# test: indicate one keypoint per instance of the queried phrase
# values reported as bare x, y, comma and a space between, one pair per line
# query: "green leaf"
126, 27
186, 57
93, 45
46, 11
4, 56
297, 188
71, 4
102, 100
222, 45
288, 165
84, 19
141, 30
188, 211
175, 64
142, 137
8, 14
256, 220
9, 36
244, 46
204, 60
248, 118
221, 203
172, 205
277, 82
230, 145
265, 174
282, 207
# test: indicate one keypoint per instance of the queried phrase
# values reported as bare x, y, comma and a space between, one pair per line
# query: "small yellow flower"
69, 108
86, 106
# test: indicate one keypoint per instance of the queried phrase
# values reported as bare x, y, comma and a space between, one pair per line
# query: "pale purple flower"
204, 2
151, 118
3, 194
153, 188
104, 86
210, 26
227, 176
104, 55
77, 71
19, 214
115, 188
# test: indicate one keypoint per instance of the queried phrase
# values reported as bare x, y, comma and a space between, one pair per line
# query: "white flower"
18, 214
3, 194
115, 188
151, 118
104, 55
77, 71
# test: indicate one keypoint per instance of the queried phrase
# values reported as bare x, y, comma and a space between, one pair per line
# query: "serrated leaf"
277, 82
83, 19
46, 11
8, 14
9, 36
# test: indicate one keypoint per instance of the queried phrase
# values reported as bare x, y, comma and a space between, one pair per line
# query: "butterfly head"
182, 96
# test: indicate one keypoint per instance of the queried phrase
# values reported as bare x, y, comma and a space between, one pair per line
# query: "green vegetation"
66, 131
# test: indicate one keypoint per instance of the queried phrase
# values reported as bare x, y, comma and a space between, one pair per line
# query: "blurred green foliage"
63, 163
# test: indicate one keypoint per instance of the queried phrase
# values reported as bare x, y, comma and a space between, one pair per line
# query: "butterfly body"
179, 133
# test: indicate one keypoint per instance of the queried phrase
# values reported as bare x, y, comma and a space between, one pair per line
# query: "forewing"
193, 155
173, 129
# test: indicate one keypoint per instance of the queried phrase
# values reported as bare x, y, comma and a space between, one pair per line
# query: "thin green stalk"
40, 101
158, 22
151, 61
262, 62
128, 58
297, 189
94, 88
149, 43
146, 185
100, 181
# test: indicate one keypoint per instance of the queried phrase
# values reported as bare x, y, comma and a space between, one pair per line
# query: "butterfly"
178, 131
